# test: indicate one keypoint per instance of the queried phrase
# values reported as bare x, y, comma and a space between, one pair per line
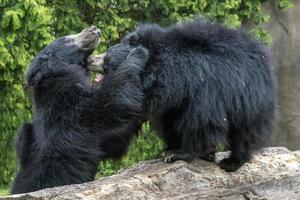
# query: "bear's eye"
134, 39
106, 60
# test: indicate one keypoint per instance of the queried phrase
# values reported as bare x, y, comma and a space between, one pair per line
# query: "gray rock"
273, 173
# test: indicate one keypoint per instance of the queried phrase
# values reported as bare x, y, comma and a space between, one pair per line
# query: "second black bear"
75, 124
204, 85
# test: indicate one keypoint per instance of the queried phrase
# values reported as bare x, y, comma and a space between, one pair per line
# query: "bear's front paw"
172, 156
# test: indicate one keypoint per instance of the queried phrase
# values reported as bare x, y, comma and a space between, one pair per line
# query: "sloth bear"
75, 123
205, 85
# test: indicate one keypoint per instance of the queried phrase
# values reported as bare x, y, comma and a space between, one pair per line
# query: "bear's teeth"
99, 78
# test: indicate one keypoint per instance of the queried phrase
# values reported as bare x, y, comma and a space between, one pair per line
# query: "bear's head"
110, 60
148, 36
71, 50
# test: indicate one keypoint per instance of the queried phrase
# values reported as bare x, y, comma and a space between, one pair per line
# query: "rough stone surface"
284, 27
273, 173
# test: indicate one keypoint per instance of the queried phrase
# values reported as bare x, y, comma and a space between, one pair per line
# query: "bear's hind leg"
241, 150
243, 142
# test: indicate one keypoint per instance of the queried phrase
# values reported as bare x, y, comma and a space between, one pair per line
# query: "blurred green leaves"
24, 30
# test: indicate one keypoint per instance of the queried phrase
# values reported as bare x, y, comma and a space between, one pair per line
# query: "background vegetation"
26, 26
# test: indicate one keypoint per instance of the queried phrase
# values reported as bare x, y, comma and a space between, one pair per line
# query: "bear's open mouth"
95, 64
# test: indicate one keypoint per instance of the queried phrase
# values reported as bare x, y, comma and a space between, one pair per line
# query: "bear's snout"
95, 30
88, 39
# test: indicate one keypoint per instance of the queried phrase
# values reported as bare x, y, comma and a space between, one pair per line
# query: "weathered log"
273, 173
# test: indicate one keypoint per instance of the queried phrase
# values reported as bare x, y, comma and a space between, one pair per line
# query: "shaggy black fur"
75, 124
205, 85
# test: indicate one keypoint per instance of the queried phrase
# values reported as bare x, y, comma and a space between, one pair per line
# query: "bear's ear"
36, 70
133, 39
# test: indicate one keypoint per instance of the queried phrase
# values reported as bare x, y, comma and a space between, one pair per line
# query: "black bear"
205, 85
76, 124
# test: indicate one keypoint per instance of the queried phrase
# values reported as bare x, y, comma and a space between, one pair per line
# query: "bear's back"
211, 66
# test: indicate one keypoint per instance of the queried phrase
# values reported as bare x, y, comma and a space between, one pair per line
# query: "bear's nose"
95, 30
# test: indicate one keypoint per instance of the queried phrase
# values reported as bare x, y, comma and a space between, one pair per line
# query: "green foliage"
4, 192
24, 30
284, 4
26, 26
